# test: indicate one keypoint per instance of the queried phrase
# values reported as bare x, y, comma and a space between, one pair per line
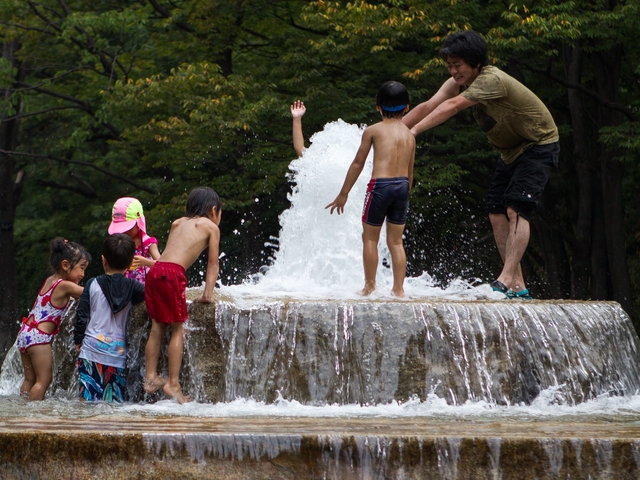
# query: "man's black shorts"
520, 184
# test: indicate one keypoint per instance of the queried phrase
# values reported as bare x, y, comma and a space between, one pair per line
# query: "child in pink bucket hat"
128, 218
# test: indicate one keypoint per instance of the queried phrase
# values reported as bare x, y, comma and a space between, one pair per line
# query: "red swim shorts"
164, 293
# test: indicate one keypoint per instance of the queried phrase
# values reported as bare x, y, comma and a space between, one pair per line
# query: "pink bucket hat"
127, 212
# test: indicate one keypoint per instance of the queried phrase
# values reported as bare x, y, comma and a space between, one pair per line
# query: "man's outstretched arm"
442, 113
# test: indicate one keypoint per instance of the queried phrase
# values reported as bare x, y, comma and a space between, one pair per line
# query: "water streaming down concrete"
376, 352
258, 448
344, 352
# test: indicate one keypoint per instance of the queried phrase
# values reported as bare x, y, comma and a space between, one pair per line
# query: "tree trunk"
584, 160
607, 74
9, 188
556, 264
600, 283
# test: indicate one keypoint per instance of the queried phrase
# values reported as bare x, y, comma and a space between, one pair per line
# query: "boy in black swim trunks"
387, 196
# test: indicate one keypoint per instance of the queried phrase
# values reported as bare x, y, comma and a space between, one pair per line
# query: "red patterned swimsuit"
43, 311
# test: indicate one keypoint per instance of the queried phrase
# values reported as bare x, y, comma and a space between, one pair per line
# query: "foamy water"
607, 409
320, 254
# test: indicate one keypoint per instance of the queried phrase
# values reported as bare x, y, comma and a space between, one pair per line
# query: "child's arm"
154, 251
137, 295
297, 112
140, 261
353, 173
213, 265
83, 315
410, 172
65, 290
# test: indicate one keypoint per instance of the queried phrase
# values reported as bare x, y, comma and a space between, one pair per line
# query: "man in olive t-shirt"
518, 124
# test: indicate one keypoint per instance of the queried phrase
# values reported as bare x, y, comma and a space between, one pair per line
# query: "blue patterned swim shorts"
99, 382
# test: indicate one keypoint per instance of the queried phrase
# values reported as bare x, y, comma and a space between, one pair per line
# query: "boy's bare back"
188, 238
394, 148
394, 152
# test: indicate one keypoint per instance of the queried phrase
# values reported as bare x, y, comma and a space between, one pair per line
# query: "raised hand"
298, 109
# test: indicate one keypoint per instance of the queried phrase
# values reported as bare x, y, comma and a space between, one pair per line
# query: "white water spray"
320, 255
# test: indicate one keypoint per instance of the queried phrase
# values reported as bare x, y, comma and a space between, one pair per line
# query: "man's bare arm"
448, 90
442, 113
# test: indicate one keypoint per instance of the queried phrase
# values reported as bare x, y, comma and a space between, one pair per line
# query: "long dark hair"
201, 200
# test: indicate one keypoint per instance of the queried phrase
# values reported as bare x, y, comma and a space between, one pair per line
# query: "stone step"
313, 448
376, 352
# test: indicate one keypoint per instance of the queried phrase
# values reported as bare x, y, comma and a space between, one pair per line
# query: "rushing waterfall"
375, 353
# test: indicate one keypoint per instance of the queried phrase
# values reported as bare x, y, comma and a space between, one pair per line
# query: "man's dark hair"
392, 99
118, 250
467, 45
201, 200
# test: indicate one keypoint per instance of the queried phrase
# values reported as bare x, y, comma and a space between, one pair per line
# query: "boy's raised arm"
355, 169
213, 265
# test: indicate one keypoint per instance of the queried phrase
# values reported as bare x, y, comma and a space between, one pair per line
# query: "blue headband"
397, 108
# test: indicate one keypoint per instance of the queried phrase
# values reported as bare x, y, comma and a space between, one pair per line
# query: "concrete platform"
295, 448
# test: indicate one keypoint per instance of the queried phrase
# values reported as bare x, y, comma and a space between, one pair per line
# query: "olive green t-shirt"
511, 115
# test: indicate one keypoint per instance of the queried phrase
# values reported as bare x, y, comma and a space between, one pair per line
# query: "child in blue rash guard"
387, 196
101, 318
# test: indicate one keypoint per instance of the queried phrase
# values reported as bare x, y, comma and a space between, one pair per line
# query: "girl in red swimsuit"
68, 261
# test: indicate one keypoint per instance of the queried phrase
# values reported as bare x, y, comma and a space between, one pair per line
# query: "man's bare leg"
511, 246
176, 345
152, 381
370, 237
398, 257
500, 227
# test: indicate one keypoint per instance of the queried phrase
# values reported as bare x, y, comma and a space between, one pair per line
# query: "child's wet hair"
118, 250
201, 200
467, 45
392, 99
61, 249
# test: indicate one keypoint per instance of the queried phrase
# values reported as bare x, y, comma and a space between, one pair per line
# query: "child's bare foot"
368, 289
151, 385
397, 293
176, 392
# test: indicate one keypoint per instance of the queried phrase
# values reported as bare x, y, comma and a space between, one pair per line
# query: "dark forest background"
150, 98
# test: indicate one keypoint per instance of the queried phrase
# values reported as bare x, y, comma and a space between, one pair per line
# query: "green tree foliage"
151, 98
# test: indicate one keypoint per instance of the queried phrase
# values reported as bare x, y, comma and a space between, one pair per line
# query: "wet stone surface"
306, 448
347, 352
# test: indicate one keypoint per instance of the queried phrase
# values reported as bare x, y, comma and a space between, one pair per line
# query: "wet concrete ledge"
294, 448
375, 352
